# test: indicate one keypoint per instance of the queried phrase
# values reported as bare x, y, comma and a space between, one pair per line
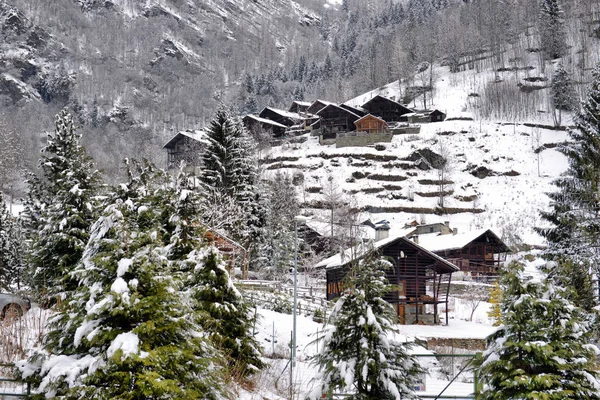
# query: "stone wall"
361, 140
458, 343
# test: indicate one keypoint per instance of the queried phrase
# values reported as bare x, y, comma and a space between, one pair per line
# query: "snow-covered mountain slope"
498, 172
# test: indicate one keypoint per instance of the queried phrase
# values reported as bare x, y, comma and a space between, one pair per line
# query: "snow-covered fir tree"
563, 95
219, 307
225, 315
552, 29
11, 249
60, 208
229, 182
573, 218
278, 246
360, 355
542, 350
129, 331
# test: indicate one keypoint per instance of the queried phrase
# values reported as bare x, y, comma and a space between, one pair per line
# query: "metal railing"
25, 387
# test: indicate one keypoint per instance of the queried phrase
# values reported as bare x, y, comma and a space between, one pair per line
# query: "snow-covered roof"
287, 114
437, 242
369, 116
197, 135
302, 103
331, 105
265, 121
356, 252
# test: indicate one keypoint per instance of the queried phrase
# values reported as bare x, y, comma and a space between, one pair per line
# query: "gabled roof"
437, 243
264, 121
197, 135
330, 106
284, 113
379, 98
369, 116
317, 105
356, 110
296, 103
357, 252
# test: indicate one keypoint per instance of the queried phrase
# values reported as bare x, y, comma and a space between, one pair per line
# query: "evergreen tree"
543, 350
359, 354
563, 94
278, 246
552, 30
11, 251
59, 208
128, 332
574, 217
229, 181
219, 307
226, 316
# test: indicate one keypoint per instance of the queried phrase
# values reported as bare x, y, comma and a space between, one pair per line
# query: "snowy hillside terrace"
495, 177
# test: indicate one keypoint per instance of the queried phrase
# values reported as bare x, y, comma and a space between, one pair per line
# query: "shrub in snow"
359, 355
11, 249
543, 350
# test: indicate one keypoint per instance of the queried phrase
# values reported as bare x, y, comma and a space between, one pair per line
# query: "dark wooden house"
420, 277
479, 252
255, 124
425, 116
185, 146
299, 106
358, 111
371, 124
386, 109
281, 116
334, 119
317, 106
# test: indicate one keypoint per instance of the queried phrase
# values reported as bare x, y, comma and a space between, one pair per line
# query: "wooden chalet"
281, 116
479, 252
420, 277
185, 146
230, 249
334, 119
358, 111
386, 109
254, 124
317, 106
371, 124
425, 117
299, 106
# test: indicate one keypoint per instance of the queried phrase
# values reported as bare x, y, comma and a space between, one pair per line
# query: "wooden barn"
371, 124
386, 109
230, 249
358, 111
185, 146
479, 252
254, 124
425, 117
299, 106
317, 106
281, 116
333, 119
420, 277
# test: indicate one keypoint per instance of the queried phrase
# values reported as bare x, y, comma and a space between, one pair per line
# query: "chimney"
382, 230
454, 231
416, 239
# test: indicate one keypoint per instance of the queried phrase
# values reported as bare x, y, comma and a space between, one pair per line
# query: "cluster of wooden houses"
378, 118
326, 119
